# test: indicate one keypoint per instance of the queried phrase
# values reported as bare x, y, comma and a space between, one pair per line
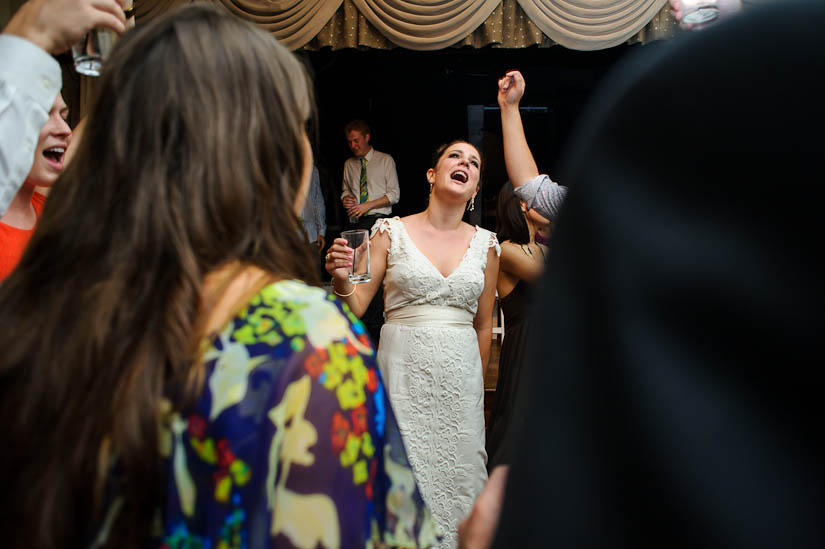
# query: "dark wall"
415, 101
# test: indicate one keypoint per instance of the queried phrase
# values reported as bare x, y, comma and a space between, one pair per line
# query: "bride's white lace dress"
430, 361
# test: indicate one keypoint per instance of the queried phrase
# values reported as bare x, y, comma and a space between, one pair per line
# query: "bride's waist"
430, 315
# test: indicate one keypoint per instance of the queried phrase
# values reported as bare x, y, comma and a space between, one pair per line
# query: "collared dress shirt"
29, 82
382, 179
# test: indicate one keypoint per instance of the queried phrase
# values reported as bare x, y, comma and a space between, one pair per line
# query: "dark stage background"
415, 101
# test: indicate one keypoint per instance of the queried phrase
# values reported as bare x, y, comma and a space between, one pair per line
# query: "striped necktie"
363, 181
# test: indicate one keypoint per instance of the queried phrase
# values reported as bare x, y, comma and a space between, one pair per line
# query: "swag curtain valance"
293, 22
591, 24
436, 24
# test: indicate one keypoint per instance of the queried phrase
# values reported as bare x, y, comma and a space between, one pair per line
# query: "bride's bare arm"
483, 322
339, 258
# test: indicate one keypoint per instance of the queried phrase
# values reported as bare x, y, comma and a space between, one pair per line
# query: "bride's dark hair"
192, 158
441, 149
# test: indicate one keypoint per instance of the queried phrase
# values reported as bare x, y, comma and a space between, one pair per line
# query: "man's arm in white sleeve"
30, 78
29, 82
393, 188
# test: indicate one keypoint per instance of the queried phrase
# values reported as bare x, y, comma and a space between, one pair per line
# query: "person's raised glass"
699, 11
90, 53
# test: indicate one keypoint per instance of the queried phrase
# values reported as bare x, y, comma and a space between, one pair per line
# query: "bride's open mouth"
459, 176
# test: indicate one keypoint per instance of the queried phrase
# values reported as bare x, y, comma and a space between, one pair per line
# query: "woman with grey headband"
536, 190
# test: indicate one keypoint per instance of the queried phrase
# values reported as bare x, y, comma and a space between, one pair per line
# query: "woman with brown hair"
167, 376
439, 277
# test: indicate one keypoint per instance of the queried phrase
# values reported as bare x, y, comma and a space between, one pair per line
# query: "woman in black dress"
521, 263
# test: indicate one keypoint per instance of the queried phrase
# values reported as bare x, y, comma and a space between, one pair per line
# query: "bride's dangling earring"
472, 205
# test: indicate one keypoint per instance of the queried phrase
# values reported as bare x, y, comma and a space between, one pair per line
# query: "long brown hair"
191, 159
511, 223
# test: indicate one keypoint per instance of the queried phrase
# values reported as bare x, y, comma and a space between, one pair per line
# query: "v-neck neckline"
429, 261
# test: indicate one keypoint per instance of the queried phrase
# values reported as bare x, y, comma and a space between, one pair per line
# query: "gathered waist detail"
429, 315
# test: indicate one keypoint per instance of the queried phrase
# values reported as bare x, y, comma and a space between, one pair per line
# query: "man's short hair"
357, 125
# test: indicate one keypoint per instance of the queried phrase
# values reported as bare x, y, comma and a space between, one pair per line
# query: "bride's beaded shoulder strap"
487, 242
385, 224
492, 241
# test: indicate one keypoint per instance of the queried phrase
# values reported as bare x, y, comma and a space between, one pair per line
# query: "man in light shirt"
370, 189
370, 185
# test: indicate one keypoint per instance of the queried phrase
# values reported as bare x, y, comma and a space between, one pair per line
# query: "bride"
439, 277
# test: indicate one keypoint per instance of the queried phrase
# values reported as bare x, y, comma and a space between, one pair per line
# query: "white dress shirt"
382, 179
29, 82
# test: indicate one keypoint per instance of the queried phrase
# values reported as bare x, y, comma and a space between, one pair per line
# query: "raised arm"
54, 25
544, 195
30, 77
483, 322
338, 262
726, 9
521, 167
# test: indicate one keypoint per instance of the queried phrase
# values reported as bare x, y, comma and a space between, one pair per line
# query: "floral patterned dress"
292, 442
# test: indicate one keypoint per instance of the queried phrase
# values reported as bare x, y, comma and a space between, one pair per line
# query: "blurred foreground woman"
167, 377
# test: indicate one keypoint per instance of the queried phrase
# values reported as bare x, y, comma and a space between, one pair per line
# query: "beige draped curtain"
591, 24
426, 24
507, 26
293, 22
436, 24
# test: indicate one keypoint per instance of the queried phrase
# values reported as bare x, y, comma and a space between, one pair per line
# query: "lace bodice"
411, 279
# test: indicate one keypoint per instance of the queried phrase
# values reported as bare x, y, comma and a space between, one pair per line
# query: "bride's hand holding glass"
338, 261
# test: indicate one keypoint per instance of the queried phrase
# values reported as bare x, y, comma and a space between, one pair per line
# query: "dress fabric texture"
517, 307
292, 442
430, 361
